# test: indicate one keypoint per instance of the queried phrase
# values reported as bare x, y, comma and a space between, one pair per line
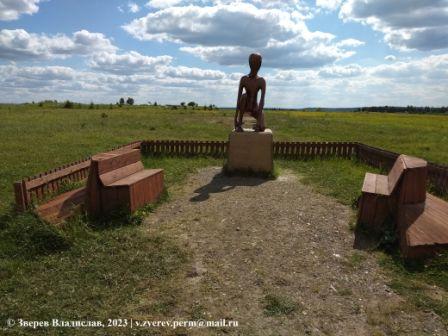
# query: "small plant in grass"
197, 311
356, 259
277, 305
68, 185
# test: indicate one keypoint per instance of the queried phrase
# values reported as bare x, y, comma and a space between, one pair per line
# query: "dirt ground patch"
276, 257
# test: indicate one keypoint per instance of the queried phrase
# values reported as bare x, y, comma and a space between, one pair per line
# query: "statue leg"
260, 122
259, 116
241, 111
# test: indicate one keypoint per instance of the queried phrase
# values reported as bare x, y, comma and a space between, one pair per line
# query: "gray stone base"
251, 151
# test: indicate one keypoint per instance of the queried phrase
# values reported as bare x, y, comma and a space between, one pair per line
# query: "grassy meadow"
54, 266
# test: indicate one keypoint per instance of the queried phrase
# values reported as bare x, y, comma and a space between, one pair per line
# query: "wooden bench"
118, 180
421, 219
379, 196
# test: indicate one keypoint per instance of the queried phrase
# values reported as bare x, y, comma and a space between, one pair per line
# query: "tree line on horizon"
405, 109
120, 103
410, 109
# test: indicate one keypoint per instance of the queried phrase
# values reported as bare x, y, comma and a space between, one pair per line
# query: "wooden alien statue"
248, 101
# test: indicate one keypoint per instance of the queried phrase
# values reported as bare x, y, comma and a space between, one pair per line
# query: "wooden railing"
376, 157
184, 147
438, 176
303, 150
41, 186
219, 148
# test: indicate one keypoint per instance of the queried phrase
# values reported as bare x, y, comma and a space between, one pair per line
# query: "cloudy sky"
332, 53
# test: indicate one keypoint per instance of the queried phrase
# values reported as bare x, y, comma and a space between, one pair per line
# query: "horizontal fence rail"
296, 150
44, 185
185, 147
219, 148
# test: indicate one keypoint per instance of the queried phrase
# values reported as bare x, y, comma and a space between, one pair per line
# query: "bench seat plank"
134, 178
376, 184
121, 173
427, 223
61, 206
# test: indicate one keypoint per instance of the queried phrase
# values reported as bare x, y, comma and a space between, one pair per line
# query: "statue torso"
252, 85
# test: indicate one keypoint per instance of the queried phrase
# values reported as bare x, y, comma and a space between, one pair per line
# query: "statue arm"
240, 93
263, 92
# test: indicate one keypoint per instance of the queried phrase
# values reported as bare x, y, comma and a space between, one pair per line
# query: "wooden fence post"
20, 196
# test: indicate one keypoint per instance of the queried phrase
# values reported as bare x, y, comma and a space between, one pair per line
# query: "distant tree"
182, 104
121, 102
130, 101
91, 106
68, 104
192, 104
155, 103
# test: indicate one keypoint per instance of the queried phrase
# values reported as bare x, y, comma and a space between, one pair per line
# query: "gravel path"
252, 240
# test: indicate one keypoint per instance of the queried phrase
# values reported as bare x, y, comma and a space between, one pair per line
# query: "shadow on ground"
222, 182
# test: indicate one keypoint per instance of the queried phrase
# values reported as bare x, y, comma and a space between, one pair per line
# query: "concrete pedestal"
251, 151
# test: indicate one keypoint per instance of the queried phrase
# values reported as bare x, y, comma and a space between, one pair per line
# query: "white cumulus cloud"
163, 3
18, 44
390, 58
133, 7
192, 73
126, 63
228, 33
329, 4
406, 24
421, 81
12, 9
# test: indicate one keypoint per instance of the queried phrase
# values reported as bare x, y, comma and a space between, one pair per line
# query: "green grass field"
54, 265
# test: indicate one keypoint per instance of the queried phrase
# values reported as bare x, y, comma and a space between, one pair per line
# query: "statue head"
255, 63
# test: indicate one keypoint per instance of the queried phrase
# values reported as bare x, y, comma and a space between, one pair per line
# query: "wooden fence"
303, 150
219, 148
184, 147
46, 184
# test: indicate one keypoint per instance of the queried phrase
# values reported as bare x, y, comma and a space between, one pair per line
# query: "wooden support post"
20, 196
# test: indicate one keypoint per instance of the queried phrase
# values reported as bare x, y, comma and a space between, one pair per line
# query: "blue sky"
333, 53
